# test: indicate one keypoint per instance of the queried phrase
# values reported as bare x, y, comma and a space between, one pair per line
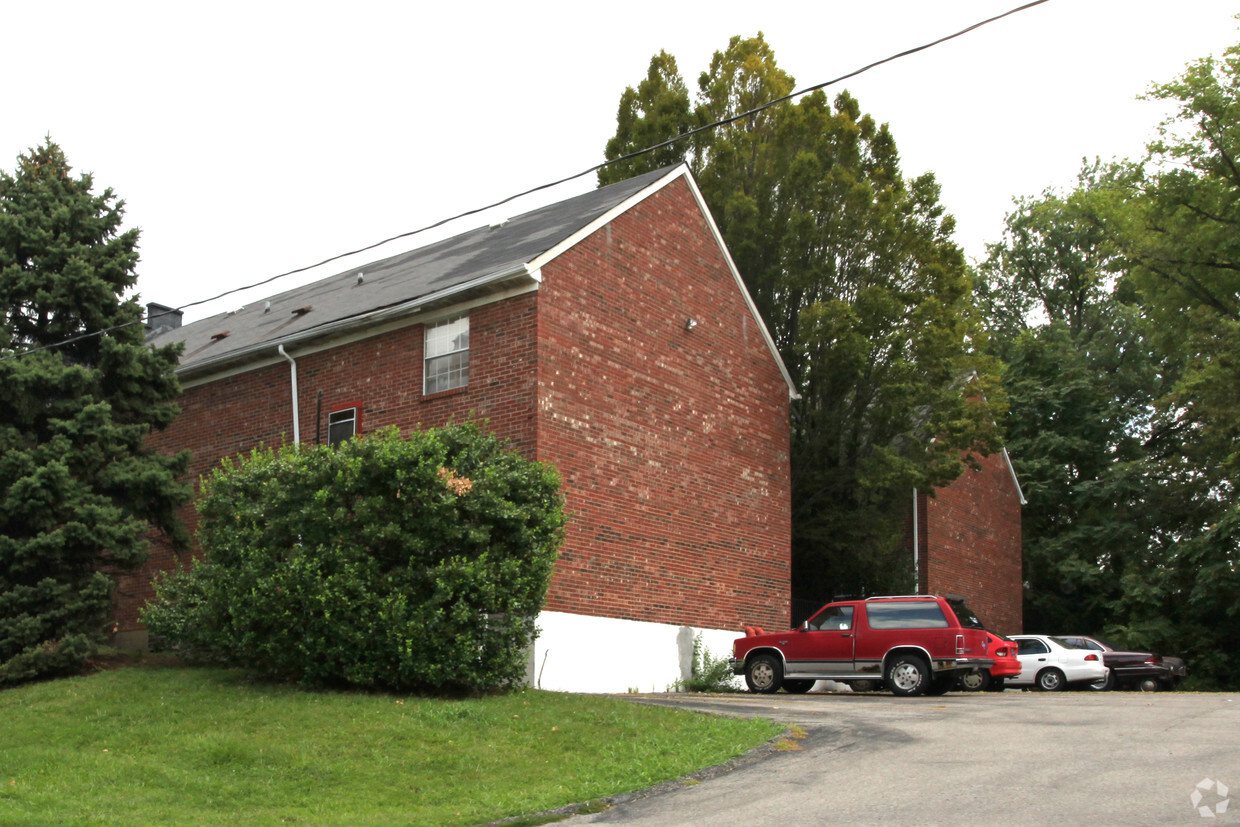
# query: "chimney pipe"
160, 317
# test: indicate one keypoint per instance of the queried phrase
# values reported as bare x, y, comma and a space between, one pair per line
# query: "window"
341, 425
1032, 646
964, 614
830, 619
447, 355
920, 614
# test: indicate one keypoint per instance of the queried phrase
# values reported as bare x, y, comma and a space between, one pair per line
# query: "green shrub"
409, 563
709, 674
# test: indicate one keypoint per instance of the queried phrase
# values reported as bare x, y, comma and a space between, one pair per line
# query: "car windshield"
1069, 644
964, 614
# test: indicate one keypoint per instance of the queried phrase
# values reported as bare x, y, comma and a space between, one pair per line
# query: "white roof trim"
681, 171
1015, 480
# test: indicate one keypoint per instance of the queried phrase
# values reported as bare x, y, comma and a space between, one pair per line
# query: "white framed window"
447, 355
341, 425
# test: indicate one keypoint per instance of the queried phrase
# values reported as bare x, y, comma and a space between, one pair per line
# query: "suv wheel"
764, 674
1051, 680
908, 675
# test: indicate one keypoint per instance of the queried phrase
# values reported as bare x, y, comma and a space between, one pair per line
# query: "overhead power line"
637, 154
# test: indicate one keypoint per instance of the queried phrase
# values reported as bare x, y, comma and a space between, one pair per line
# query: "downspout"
916, 548
296, 418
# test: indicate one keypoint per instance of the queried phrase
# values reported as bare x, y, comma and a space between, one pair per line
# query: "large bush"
412, 563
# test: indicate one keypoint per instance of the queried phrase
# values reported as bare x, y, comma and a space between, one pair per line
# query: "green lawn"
203, 746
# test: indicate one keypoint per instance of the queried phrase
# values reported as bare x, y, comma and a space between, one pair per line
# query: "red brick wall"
970, 538
383, 373
673, 444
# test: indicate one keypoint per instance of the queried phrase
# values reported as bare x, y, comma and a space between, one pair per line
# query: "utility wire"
549, 185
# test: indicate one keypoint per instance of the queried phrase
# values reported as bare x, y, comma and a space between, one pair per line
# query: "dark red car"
1129, 669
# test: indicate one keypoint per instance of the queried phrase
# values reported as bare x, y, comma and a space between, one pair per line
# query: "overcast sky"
251, 138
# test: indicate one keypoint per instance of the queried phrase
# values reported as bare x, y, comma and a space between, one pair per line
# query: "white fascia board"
1015, 481
681, 171
362, 326
740, 285
607, 217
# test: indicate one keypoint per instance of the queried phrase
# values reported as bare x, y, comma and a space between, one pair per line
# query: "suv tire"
764, 674
796, 686
908, 675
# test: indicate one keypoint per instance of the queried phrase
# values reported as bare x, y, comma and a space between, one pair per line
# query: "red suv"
915, 645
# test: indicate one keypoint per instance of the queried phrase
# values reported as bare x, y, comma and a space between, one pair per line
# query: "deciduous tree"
854, 271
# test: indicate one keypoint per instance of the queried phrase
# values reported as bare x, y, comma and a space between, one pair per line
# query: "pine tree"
79, 392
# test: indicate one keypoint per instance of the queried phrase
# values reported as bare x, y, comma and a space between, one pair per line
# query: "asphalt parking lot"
1006, 758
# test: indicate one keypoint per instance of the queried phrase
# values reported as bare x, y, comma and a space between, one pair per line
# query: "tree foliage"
1117, 308
655, 112
413, 563
853, 269
1082, 379
79, 392
1179, 231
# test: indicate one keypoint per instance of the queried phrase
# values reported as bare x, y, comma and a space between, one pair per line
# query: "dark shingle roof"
446, 267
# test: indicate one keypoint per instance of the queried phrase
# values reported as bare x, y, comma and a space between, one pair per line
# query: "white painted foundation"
579, 653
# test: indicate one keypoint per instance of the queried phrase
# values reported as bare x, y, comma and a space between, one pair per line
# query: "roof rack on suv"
898, 596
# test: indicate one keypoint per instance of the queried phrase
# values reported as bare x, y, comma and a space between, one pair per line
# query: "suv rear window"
906, 614
964, 614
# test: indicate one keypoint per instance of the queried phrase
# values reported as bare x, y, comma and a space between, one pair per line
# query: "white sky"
251, 138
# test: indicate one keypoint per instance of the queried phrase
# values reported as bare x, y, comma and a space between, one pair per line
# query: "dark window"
906, 614
1032, 646
964, 614
833, 618
341, 425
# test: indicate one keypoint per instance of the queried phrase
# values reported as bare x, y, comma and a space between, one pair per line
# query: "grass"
205, 746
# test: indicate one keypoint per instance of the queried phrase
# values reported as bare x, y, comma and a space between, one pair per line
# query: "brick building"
967, 541
609, 335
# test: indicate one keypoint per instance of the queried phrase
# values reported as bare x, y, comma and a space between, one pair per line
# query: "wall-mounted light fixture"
690, 323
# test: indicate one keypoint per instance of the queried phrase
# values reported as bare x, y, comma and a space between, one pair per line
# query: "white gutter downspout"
916, 548
296, 417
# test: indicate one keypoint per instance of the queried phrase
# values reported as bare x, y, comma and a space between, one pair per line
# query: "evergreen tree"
79, 392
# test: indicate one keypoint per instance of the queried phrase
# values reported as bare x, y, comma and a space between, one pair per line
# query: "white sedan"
1051, 663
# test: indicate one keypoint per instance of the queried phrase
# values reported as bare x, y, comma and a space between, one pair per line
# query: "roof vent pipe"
296, 418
